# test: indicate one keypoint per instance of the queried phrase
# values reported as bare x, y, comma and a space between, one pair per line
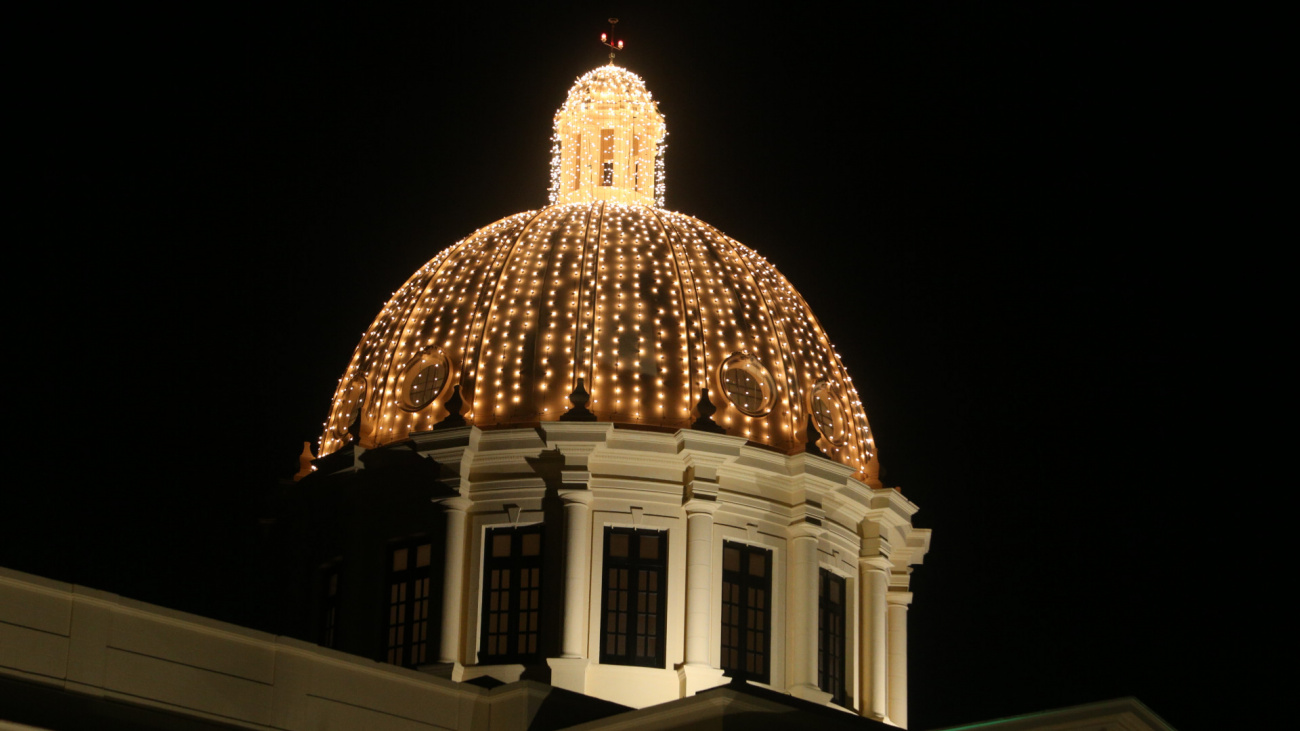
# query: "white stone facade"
702, 489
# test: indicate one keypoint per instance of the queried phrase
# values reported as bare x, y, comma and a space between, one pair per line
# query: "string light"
648, 306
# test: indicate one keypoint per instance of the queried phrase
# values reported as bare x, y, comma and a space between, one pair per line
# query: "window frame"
745, 581
832, 636
514, 564
410, 604
655, 591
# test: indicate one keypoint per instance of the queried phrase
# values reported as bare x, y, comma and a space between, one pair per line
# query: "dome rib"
480, 346
696, 378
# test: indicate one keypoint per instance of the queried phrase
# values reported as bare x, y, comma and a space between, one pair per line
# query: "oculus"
747, 384
424, 379
827, 408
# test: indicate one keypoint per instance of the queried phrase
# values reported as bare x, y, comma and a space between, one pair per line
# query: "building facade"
607, 523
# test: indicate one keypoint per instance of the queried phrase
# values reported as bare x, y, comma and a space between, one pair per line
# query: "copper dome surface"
647, 306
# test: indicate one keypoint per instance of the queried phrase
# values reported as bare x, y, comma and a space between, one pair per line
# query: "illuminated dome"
645, 306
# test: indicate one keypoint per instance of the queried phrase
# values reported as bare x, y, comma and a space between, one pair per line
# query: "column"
873, 578
577, 569
696, 672
453, 584
699, 577
898, 601
802, 615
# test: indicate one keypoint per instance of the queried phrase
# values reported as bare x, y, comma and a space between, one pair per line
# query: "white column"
801, 639
577, 570
699, 577
873, 578
898, 601
697, 673
453, 582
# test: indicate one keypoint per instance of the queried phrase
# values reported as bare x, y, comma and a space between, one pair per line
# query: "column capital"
460, 504
873, 563
575, 495
805, 530
698, 505
898, 598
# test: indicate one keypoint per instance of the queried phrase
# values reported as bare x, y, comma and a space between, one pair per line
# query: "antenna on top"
608, 40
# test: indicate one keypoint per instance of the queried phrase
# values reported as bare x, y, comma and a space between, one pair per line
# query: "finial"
813, 435
304, 462
706, 410
453, 406
579, 399
608, 40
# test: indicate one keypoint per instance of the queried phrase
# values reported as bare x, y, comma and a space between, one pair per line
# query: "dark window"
831, 602
607, 173
634, 614
329, 603
746, 611
512, 594
408, 602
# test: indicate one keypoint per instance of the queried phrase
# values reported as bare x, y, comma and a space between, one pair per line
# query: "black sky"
981, 202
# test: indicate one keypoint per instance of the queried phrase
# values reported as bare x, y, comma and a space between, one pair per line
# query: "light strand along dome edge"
647, 306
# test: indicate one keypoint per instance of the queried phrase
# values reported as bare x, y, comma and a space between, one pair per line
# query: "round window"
748, 385
828, 411
424, 379
348, 409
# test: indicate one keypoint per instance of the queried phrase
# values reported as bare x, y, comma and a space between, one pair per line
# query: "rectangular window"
746, 611
408, 602
831, 639
636, 163
329, 603
635, 600
607, 157
512, 595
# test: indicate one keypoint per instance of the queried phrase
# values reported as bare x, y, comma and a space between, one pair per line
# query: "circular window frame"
749, 365
342, 422
417, 364
838, 413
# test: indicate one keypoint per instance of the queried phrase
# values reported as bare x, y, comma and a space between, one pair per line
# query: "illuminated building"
600, 447
646, 311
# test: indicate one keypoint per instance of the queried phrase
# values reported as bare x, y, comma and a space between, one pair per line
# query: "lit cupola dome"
643, 307
608, 143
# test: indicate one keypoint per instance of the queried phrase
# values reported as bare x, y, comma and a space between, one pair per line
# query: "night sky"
980, 202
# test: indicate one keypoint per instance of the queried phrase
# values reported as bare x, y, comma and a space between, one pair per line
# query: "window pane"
501, 545
730, 559
649, 547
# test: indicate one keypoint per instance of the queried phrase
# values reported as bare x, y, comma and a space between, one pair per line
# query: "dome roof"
646, 306
607, 84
